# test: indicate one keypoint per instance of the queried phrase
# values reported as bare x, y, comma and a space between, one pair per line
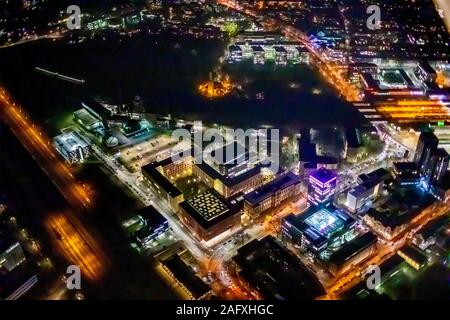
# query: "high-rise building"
436, 167
184, 278
426, 146
431, 162
322, 187
271, 194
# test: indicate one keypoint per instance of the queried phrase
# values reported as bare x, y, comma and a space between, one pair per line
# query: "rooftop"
390, 264
401, 208
208, 205
405, 166
96, 108
370, 82
392, 218
414, 254
323, 175
425, 65
363, 65
429, 138
434, 226
307, 151
358, 190
326, 160
85, 117
208, 208
302, 49
181, 155
394, 78
353, 138
258, 48
353, 248
440, 153
280, 49
444, 184
376, 175
324, 222
6, 242
259, 34
229, 181
320, 225
142, 234
270, 42
234, 48
232, 153
152, 216
270, 188
275, 272
151, 171
186, 276
363, 187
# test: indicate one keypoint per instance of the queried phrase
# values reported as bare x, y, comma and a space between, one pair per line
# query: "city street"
385, 251
42, 151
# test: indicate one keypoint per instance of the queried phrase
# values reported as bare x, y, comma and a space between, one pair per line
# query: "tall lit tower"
426, 146
436, 167
322, 187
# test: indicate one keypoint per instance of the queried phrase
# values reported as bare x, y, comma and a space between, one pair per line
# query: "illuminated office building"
436, 167
322, 187
11, 254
